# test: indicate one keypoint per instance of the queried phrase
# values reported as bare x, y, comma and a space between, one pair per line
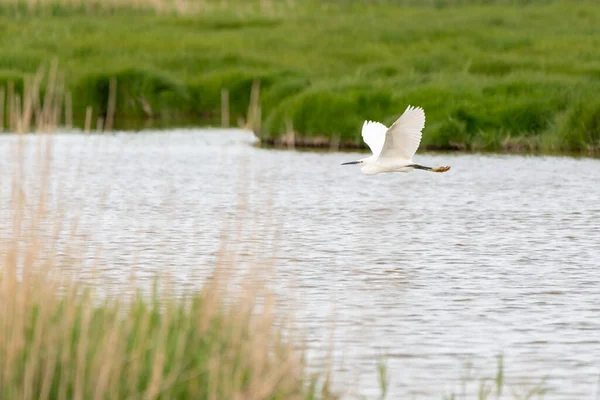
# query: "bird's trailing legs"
437, 169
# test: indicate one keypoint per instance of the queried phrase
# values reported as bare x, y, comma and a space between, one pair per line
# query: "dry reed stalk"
290, 136
28, 106
82, 348
133, 363
30, 88
69, 111
47, 109
36, 350
99, 124
37, 110
57, 105
109, 359
258, 119
174, 375
88, 119
11, 104
112, 100
253, 116
2, 96
49, 368
24, 111
158, 363
224, 108
18, 114
181, 7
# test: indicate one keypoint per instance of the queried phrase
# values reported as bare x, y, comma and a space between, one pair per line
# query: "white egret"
394, 148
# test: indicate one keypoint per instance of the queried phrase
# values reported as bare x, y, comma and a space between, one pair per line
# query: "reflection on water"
432, 271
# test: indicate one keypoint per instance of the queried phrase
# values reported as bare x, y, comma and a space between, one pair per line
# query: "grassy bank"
500, 75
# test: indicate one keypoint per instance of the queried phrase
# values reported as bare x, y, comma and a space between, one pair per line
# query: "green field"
491, 75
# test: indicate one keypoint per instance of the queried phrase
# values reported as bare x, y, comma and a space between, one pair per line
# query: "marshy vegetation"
504, 75
63, 338
64, 335
491, 75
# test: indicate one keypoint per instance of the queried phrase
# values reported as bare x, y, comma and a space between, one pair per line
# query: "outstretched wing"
404, 136
373, 134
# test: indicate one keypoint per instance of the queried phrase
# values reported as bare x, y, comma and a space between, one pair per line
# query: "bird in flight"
394, 147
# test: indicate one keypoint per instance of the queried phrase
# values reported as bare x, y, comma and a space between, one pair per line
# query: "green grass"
491, 75
65, 347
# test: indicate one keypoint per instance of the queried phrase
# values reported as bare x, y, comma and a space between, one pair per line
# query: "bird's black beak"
351, 162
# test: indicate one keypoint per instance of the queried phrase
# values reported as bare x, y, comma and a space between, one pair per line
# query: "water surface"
432, 271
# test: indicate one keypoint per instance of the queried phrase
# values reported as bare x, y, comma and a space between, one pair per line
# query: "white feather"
404, 136
373, 133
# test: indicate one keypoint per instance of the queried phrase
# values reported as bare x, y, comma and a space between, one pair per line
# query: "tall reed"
45, 105
63, 339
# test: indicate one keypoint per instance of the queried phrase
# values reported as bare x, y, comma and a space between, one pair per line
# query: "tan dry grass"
45, 105
180, 7
61, 339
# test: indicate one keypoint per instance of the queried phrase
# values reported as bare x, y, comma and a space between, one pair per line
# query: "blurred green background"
491, 75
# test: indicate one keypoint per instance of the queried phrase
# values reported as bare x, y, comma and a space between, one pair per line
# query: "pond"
432, 272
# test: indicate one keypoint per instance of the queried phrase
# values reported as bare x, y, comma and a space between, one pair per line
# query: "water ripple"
434, 271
